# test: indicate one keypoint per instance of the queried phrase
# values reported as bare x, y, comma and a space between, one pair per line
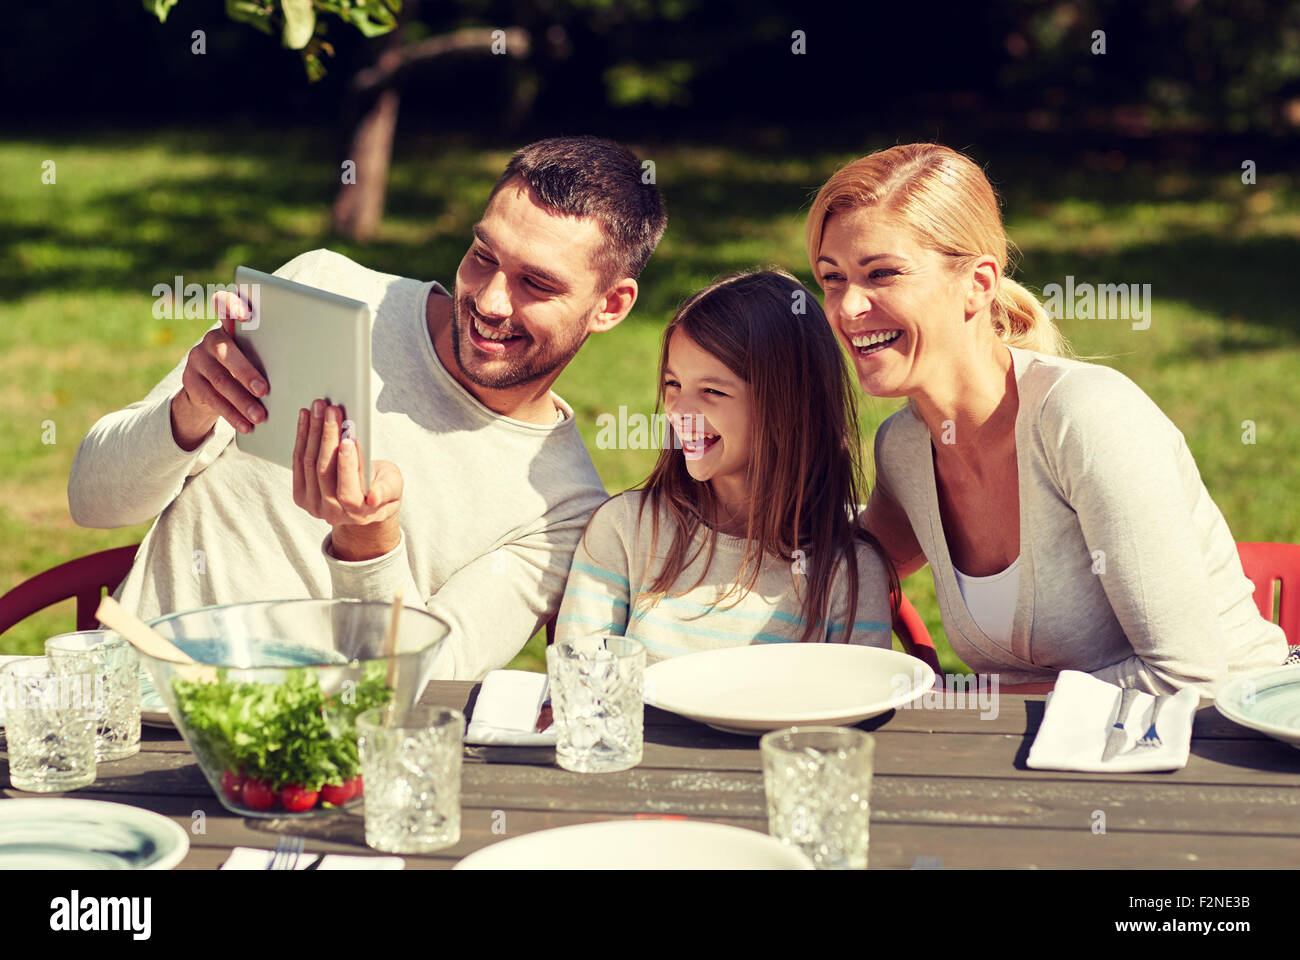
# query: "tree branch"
394, 60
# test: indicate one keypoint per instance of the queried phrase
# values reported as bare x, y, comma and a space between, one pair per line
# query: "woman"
1063, 517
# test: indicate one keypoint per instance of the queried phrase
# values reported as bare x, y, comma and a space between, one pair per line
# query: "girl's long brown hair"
804, 466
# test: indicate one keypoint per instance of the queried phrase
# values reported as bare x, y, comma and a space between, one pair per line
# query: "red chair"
85, 578
1266, 564
914, 635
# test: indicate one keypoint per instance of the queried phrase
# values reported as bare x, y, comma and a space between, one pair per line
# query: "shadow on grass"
725, 207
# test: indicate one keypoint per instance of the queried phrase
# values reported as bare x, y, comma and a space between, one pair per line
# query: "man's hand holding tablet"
327, 484
218, 380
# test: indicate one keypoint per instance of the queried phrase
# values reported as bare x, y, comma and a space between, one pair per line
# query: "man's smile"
490, 339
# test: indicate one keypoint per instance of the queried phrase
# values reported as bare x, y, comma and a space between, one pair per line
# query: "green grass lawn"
129, 210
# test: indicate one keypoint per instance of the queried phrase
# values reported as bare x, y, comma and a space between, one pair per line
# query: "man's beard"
534, 363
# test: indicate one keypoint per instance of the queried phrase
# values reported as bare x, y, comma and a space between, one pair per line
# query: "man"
485, 486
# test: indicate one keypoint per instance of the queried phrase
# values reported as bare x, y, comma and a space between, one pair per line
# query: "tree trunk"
359, 207
371, 115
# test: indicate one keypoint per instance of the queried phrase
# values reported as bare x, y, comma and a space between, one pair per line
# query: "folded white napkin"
507, 708
1080, 713
250, 858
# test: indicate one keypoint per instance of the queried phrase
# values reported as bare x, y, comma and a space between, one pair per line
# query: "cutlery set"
1117, 738
286, 854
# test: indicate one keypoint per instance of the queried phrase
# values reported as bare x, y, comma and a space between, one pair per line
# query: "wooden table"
951, 789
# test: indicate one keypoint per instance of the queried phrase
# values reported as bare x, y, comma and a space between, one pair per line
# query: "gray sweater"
1127, 568
491, 508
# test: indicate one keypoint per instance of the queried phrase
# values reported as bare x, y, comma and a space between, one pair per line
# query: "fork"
1151, 738
287, 852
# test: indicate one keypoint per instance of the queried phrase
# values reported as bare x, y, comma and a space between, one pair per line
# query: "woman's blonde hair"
946, 200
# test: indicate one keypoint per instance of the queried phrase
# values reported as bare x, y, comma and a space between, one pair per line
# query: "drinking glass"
410, 763
112, 661
597, 687
49, 726
818, 784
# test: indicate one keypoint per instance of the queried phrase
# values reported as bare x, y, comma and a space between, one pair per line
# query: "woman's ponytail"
1022, 321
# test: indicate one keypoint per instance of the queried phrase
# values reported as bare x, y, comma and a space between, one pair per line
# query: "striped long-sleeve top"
612, 572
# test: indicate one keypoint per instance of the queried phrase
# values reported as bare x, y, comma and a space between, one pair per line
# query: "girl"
743, 532
1060, 511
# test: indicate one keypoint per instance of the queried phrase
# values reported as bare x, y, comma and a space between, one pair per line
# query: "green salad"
288, 742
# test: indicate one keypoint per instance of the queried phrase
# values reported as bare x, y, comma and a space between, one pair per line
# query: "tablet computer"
308, 343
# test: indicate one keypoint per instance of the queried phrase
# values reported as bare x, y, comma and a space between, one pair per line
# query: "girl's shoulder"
619, 512
870, 562
629, 517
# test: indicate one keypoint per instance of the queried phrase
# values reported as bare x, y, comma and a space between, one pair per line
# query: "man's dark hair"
591, 177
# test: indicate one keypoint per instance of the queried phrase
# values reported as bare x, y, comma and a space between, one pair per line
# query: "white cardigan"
1127, 568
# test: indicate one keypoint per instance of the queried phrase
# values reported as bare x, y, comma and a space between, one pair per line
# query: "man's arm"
133, 462
129, 465
492, 605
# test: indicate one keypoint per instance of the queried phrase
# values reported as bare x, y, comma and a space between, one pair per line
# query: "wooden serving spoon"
149, 641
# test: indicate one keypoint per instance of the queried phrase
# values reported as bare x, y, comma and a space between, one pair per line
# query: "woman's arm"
885, 519
1126, 472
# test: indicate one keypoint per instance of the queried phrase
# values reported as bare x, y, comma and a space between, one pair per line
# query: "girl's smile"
708, 407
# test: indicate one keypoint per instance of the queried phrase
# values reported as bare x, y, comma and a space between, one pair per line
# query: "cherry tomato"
232, 785
337, 793
295, 798
258, 794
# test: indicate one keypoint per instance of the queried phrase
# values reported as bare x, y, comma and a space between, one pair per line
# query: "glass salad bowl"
270, 707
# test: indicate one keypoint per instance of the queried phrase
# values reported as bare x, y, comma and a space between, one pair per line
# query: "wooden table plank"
1250, 762
949, 783
982, 755
1045, 803
978, 848
1011, 713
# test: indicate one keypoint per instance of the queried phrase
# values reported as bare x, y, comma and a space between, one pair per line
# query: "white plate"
153, 712
1267, 701
57, 833
768, 686
639, 845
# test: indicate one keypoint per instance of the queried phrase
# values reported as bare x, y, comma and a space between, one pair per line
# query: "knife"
1118, 738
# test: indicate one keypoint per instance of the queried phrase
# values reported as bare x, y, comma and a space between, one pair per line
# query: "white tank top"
991, 600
